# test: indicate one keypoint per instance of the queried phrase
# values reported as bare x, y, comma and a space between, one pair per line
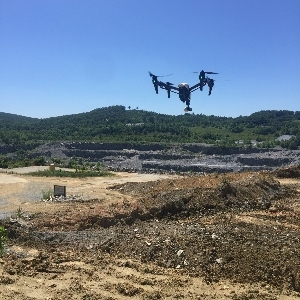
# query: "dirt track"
213, 237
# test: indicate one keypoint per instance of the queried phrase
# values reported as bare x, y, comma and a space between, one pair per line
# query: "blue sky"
61, 57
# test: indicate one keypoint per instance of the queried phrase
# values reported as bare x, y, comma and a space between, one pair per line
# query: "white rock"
219, 260
214, 236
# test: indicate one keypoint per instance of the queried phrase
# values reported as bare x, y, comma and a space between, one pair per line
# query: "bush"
39, 161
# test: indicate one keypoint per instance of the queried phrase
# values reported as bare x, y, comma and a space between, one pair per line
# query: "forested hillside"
118, 124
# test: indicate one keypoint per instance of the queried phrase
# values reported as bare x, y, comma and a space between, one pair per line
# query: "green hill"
116, 124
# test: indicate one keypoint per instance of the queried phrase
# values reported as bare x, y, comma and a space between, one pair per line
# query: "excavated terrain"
218, 236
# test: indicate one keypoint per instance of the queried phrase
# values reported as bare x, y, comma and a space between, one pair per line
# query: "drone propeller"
219, 80
207, 72
152, 75
169, 83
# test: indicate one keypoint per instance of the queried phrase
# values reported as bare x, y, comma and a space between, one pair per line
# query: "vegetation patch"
46, 194
76, 174
2, 239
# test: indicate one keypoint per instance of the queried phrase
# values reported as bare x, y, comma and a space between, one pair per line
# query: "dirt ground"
150, 236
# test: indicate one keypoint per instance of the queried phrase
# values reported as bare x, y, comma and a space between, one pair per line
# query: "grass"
46, 195
19, 213
2, 239
62, 173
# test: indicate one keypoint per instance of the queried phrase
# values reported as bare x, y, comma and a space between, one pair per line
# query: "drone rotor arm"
175, 92
194, 87
173, 88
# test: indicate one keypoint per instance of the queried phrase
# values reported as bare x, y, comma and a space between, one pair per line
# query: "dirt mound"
207, 194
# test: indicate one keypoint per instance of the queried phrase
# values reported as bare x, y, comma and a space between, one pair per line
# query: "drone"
183, 89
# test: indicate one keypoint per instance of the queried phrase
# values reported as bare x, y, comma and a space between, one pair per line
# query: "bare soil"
149, 236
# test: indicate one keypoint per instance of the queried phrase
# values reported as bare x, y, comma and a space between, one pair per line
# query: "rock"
214, 236
219, 260
273, 209
168, 264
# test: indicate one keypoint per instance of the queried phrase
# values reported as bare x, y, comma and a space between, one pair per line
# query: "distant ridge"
110, 124
13, 117
259, 114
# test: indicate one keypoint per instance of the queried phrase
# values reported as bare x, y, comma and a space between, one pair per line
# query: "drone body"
184, 90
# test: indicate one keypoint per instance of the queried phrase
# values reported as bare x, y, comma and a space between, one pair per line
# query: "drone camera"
187, 109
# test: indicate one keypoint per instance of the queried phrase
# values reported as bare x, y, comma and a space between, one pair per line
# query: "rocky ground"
214, 236
177, 158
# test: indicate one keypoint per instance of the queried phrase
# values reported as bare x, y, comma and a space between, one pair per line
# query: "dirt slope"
233, 236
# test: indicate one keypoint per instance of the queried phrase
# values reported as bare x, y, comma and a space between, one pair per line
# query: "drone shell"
186, 85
